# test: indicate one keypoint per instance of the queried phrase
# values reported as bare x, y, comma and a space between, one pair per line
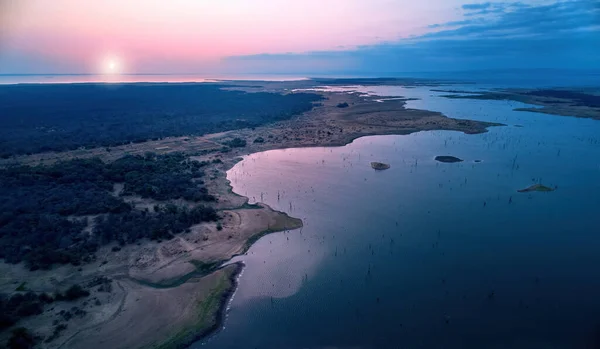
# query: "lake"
427, 254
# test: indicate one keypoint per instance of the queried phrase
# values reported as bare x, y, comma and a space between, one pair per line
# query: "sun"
112, 65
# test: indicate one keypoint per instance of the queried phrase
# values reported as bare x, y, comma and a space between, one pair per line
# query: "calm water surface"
10, 79
427, 254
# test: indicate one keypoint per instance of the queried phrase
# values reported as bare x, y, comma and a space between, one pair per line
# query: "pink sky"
178, 36
194, 34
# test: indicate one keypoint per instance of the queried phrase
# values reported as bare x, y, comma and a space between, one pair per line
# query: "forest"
581, 99
24, 304
44, 208
70, 116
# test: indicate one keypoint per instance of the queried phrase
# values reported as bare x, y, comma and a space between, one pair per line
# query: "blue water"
427, 254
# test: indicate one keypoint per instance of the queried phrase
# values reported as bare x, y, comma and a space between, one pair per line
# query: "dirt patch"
160, 318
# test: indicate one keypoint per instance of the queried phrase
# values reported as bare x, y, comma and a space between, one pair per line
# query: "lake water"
427, 254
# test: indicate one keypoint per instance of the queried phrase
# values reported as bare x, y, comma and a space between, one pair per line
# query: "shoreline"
224, 300
170, 261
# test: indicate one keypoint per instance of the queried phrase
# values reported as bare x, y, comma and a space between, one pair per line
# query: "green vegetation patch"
208, 316
22, 305
40, 205
236, 143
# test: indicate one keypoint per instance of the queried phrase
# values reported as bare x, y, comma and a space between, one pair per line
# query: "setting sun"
112, 65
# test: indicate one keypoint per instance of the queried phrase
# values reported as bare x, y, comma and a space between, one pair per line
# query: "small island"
379, 166
447, 158
535, 187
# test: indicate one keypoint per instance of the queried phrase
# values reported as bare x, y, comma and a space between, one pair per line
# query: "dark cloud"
531, 20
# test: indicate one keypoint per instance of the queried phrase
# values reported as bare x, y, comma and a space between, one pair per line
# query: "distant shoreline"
34, 79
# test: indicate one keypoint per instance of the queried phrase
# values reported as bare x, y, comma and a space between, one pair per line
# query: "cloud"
562, 34
545, 20
491, 8
450, 24
481, 6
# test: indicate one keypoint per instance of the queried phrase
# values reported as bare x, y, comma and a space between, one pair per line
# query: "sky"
295, 37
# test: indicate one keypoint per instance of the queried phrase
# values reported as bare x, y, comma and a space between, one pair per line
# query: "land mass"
379, 166
535, 187
579, 103
170, 287
447, 158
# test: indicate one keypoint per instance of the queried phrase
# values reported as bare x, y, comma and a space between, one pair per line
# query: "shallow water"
427, 254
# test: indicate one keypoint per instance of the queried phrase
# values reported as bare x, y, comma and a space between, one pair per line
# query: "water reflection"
427, 254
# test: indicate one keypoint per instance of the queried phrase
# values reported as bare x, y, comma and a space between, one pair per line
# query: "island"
447, 159
582, 103
535, 187
379, 166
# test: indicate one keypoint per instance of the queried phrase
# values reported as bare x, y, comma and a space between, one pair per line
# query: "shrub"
21, 338
75, 292
236, 143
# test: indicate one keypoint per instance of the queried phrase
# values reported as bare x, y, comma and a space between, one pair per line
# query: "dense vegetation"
39, 206
236, 143
69, 116
135, 225
582, 99
572, 98
21, 338
162, 177
22, 305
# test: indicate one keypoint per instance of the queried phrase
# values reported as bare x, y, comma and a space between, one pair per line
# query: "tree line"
70, 116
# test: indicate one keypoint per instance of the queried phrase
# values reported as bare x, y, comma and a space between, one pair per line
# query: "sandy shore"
168, 294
